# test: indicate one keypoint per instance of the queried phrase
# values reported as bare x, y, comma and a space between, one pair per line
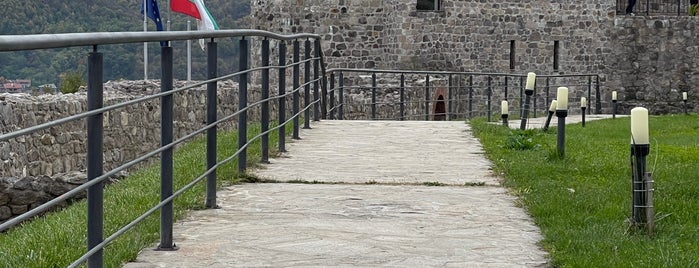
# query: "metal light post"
583, 107
504, 112
528, 91
684, 99
640, 148
552, 110
561, 113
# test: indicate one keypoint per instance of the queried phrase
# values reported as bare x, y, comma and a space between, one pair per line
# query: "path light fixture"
504, 112
528, 92
613, 104
641, 182
552, 110
583, 107
684, 99
561, 113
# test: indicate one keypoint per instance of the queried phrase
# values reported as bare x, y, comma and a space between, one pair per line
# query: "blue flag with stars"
154, 14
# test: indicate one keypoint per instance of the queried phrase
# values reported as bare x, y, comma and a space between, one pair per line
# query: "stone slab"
323, 225
400, 152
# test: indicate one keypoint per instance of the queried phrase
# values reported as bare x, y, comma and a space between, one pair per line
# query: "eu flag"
154, 14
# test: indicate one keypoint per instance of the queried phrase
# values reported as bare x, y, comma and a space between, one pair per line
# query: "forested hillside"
120, 61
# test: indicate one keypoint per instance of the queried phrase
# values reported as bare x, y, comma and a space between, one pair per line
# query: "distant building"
26, 83
12, 87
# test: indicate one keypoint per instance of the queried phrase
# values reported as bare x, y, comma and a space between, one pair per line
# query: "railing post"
264, 114
490, 97
507, 78
332, 96
470, 96
521, 94
243, 104
341, 97
402, 97
589, 93
95, 203
534, 100
296, 90
324, 75
307, 86
449, 97
548, 85
427, 98
211, 133
282, 98
373, 96
598, 102
316, 83
166, 125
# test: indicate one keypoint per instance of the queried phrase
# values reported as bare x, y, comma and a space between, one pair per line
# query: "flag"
154, 14
185, 7
197, 10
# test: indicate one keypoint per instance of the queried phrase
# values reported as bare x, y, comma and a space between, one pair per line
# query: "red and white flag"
197, 10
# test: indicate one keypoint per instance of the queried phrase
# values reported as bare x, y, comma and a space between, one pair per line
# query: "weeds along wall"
648, 60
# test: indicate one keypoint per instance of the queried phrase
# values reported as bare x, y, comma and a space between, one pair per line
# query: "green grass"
582, 201
59, 238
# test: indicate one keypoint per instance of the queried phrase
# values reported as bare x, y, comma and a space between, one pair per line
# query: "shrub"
71, 82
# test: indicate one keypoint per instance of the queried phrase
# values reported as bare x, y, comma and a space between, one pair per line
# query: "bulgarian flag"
197, 10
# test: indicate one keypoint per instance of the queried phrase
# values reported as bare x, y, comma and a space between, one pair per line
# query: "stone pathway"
375, 206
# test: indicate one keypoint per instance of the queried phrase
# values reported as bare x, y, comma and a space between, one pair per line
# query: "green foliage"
71, 82
582, 202
522, 140
120, 61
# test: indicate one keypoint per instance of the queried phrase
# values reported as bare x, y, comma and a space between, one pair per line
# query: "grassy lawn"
582, 202
59, 238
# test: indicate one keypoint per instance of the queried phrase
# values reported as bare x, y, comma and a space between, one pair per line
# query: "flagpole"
168, 15
189, 53
145, 44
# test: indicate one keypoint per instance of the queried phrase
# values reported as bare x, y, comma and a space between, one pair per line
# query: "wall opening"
429, 5
512, 54
440, 109
555, 55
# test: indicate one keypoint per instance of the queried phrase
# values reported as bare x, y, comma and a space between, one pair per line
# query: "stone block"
19, 209
5, 213
23, 197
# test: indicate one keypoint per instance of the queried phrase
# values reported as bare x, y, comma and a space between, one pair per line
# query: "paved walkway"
376, 209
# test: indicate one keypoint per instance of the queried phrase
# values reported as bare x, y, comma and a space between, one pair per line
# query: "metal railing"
443, 95
417, 94
655, 7
96, 110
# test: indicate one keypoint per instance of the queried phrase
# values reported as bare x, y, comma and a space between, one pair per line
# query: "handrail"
44, 41
492, 88
360, 70
94, 114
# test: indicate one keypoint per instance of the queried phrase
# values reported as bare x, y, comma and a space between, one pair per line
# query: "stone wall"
653, 60
129, 132
43, 165
649, 60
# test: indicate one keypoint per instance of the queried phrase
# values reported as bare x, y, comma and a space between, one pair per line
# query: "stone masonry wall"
128, 132
649, 60
43, 165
